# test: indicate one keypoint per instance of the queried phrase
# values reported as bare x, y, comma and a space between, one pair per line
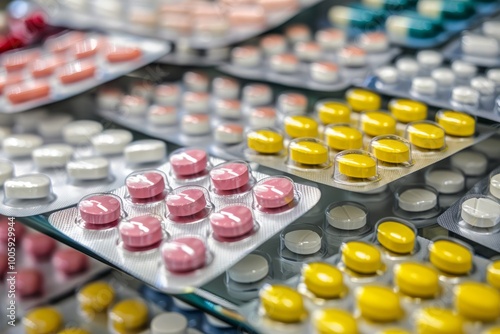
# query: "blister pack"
458, 86
475, 216
331, 61
478, 46
176, 240
69, 64
416, 23
418, 283
36, 269
50, 161
202, 24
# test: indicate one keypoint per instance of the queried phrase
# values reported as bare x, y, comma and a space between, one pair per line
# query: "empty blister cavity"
480, 211
189, 163
355, 167
391, 151
231, 178
185, 254
146, 186
308, 153
141, 233
99, 211
426, 136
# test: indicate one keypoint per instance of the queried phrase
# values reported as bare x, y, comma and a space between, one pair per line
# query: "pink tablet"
29, 282
188, 162
27, 91
117, 54
230, 176
232, 221
39, 245
184, 254
69, 261
86, 48
186, 203
274, 192
18, 230
141, 232
144, 185
100, 209
77, 71
46, 66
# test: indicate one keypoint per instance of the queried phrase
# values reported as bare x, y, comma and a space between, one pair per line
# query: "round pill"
463, 70
438, 320
298, 33
445, 181
332, 320
133, 106
52, 155
396, 237
282, 303
129, 315
330, 112
495, 185
188, 162
341, 137
387, 74
407, 111
357, 165
141, 231
30, 186
232, 221
228, 133
303, 242
29, 282
246, 56
167, 94
145, 184
376, 123
225, 88
184, 254
465, 95
443, 76
407, 67
352, 56
95, 297
477, 302
262, 117
308, 152
374, 42
265, 141
145, 151
307, 51
481, 212
228, 108
424, 86
22, 145
230, 176
44, 320
470, 163
324, 72
426, 135
292, 103
6, 171
274, 192
169, 323
347, 217
195, 124
429, 59
417, 200
80, 132
111, 141
109, 97
361, 257
186, 203
483, 85
257, 94
416, 280
284, 63
39, 245
86, 169
456, 123
99, 209
450, 257
195, 102
162, 115
252, 268
300, 126
195, 81
273, 44
51, 127
389, 150
363, 100
379, 304
70, 261
330, 39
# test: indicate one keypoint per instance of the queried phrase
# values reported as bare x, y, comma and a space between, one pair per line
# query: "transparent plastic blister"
69, 64
459, 86
330, 62
203, 25
42, 270
50, 167
475, 216
192, 216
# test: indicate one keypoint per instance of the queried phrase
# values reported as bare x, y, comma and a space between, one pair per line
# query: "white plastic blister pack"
176, 240
458, 86
51, 161
68, 64
203, 25
329, 61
